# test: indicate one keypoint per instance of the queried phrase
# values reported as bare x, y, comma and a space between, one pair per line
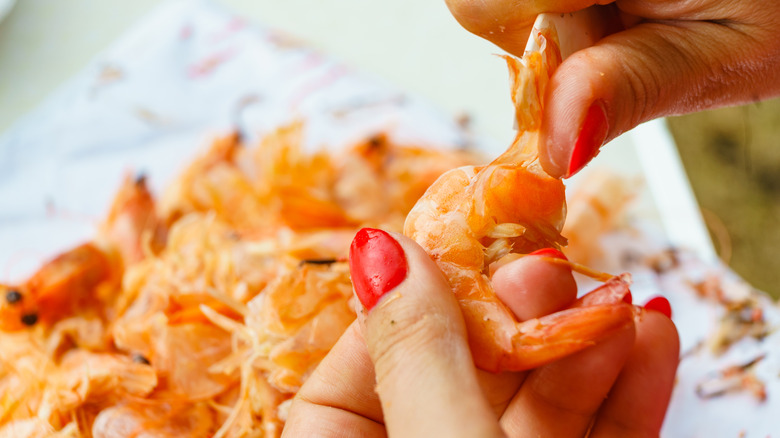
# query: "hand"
663, 57
405, 368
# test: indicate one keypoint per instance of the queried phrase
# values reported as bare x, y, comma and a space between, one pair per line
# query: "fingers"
416, 337
637, 404
339, 399
650, 70
674, 57
533, 286
324, 421
560, 399
507, 23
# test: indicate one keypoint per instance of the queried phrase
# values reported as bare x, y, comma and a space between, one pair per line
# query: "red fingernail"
549, 252
660, 304
377, 264
591, 137
627, 298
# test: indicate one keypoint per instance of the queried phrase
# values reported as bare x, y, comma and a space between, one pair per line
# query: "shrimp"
472, 217
53, 292
132, 227
82, 275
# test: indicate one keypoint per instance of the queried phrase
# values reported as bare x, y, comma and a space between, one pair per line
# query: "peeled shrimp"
472, 217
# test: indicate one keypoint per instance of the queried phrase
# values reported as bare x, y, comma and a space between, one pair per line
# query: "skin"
404, 368
659, 58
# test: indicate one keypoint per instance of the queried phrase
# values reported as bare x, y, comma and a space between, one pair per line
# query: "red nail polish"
377, 264
627, 298
549, 252
591, 137
660, 304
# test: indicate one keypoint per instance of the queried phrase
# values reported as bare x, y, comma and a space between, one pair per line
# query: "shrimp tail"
596, 316
613, 291
500, 343
560, 334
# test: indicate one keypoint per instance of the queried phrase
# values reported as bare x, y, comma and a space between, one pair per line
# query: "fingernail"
627, 298
660, 304
549, 252
591, 137
377, 264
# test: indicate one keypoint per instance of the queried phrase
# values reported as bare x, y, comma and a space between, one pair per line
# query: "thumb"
650, 70
426, 379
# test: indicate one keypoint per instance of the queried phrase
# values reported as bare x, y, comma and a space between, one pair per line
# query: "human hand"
405, 368
661, 57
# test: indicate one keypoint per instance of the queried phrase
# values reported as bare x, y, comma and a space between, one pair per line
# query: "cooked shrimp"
471, 217
82, 276
60, 286
132, 227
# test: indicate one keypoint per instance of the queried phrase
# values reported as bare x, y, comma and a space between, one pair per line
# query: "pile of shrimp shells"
238, 289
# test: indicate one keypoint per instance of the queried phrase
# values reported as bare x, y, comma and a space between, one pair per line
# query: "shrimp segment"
472, 217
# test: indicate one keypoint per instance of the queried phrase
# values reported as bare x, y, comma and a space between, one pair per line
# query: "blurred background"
732, 155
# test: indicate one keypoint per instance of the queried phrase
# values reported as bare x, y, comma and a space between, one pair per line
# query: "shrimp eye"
13, 296
139, 358
376, 143
29, 319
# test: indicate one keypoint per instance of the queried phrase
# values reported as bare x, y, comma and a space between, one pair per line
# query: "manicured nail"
549, 252
591, 137
627, 298
377, 264
660, 304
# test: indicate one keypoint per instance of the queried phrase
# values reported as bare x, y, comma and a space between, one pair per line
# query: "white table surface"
415, 44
